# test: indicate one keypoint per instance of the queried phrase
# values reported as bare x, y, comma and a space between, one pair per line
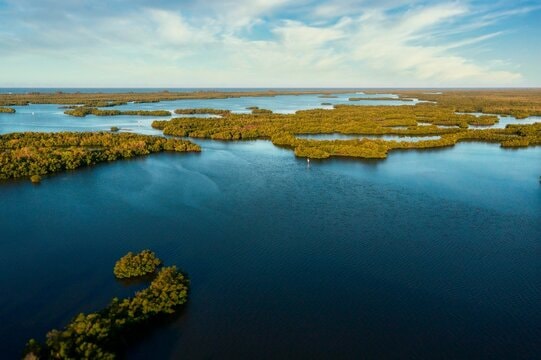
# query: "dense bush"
102, 335
27, 154
82, 111
261, 111
281, 129
519, 103
134, 265
109, 99
378, 98
7, 110
202, 111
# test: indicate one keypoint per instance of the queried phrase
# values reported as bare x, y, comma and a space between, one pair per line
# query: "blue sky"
262, 43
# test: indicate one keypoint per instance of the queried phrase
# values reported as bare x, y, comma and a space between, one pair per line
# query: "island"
408, 120
134, 265
104, 334
33, 154
7, 110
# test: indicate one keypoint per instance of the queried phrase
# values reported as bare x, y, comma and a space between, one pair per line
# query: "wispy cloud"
257, 42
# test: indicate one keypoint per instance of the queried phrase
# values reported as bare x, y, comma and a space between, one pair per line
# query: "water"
339, 136
40, 117
51, 118
504, 121
284, 104
424, 253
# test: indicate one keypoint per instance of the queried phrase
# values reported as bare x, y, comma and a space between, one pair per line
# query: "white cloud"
392, 43
339, 43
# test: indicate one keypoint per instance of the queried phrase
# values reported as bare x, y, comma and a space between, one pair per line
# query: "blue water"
285, 104
427, 254
45, 117
504, 120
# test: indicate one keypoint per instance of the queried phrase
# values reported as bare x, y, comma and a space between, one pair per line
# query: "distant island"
448, 114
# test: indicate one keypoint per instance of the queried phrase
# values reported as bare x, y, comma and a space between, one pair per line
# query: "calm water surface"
424, 253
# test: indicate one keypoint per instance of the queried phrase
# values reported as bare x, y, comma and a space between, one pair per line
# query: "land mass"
407, 120
114, 99
439, 113
103, 334
32, 154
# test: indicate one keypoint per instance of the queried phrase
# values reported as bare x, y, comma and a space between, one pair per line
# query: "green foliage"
134, 265
100, 335
281, 129
146, 101
82, 111
378, 98
27, 154
108, 99
35, 179
202, 111
7, 110
261, 111
115, 129
519, 103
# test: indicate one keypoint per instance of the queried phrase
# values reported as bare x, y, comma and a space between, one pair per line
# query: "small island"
105, 333
202, 111
7, 110
82, 111
136, 265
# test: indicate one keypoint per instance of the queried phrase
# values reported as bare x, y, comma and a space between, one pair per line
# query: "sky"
270, 43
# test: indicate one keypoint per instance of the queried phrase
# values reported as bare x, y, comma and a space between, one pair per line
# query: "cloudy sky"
269, 43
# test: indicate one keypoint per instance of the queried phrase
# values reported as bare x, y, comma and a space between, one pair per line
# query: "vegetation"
109, 99
28, 154
444, 114
102, 334
519, 103
328, 96
82, 111
281, 129
202, 111
35, 179
134, 265
378, 98
261, 111
115, 129
7, 110
147, 101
